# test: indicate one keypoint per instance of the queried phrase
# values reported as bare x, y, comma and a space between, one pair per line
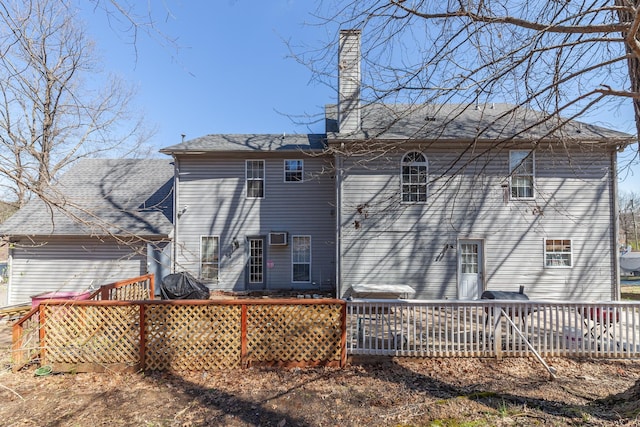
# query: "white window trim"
284, 171
544, 248
530, 155
426, 163
246, 179
293, 237
200, 263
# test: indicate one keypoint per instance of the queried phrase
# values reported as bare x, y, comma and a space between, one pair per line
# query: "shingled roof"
249, 142
123, 197
464, 122
446, 122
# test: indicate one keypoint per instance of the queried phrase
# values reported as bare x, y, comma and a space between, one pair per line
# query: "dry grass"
630, 293
452, 392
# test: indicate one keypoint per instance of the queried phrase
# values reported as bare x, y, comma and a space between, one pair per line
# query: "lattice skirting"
293, 333
192, 337
91, 334
187, 335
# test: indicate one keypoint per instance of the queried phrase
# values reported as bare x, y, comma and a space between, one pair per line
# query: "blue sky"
233, 72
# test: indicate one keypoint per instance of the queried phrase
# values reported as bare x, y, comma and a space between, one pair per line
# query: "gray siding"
349, 115
385, 241
213, 191
59, 264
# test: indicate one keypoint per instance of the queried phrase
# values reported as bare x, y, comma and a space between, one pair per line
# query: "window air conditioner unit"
278, 239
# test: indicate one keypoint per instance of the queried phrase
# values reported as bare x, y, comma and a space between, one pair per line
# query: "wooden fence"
201, 335
493, 328
26, 333
190, 335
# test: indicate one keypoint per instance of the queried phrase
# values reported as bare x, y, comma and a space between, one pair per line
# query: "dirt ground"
385, 392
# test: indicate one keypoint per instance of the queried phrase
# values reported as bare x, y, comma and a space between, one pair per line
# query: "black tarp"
183, 286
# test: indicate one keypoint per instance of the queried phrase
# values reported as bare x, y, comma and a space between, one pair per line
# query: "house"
424, 201
105, 220
255, 212
431, 201
457, 199
452, 213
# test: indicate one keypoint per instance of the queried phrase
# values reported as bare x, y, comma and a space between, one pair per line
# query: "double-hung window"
301, 258
522, 173
414, 177
209, 258
557, 253
293, 170
254, 173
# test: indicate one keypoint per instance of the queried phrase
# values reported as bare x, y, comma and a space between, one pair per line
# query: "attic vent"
278, 238
430, 119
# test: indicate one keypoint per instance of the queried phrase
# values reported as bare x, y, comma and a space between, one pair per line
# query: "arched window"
415, 174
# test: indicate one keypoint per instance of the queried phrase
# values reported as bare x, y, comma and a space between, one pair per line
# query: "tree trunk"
633, 62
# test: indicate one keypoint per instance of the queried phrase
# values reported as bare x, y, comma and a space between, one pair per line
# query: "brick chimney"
349, 82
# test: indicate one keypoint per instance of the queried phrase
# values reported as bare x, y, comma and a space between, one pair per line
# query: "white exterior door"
470, 269
256, 263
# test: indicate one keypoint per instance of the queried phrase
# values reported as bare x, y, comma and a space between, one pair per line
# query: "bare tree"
131, 19
55, 104
564, 58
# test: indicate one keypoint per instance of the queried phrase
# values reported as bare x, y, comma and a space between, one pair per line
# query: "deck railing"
493, 328
193, 335
27, 331
25, 339
135, 289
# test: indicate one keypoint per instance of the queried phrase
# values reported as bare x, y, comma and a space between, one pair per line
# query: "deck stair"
14, 311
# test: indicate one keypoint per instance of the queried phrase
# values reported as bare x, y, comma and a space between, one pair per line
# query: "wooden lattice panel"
192, 337
84, 334
133, 292
293, 333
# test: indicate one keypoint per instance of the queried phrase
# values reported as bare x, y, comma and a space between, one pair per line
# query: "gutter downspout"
615, 291
338, 223
176, 209
10, 246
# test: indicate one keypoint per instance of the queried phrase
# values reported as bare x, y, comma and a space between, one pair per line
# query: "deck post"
497, 331
41, 333
244, 362
143, 336
152, 288
18, 355
343, 335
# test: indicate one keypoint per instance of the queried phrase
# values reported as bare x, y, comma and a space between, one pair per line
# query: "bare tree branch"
550, 27
53, 110
551, 56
